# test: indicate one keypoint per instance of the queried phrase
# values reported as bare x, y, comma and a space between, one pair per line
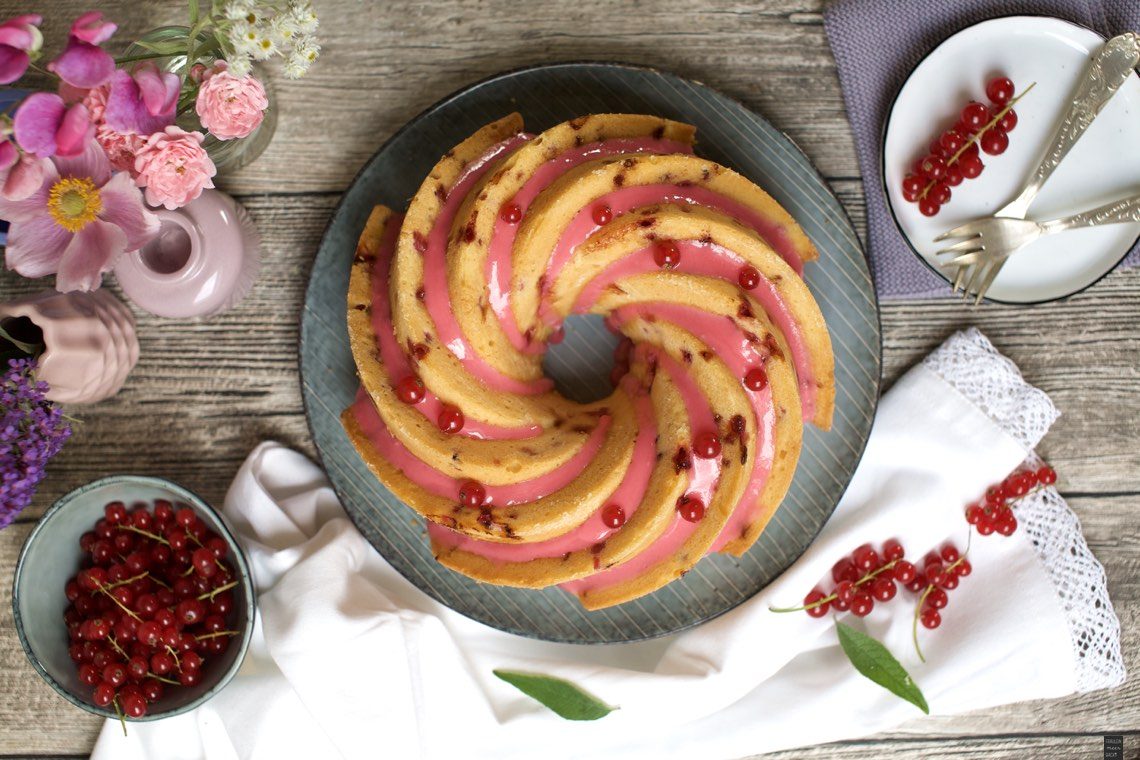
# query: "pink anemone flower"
80, 220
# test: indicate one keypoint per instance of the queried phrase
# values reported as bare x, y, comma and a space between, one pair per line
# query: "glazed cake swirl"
724, 355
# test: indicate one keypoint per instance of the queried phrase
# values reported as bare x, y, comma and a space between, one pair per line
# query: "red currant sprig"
954, 155
994, 514
941, 572
861, 579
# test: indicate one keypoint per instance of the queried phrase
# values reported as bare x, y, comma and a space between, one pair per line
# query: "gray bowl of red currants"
132, 599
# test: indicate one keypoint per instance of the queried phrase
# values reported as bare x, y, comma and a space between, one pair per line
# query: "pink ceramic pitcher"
89, 339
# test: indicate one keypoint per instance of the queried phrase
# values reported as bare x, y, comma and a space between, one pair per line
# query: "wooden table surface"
204, 393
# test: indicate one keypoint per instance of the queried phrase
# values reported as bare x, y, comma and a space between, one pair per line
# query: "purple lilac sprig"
32, 431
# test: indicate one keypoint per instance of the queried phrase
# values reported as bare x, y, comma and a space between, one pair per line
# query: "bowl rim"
244, 576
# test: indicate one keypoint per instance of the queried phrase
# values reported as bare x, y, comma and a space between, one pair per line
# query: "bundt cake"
724, 354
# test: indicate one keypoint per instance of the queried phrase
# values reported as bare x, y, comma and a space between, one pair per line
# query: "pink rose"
230, 107
173, 167
120, 148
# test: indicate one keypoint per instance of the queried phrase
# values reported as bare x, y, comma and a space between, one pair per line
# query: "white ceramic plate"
1104, 165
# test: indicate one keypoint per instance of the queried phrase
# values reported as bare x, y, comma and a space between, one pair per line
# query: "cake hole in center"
580, 365
169, 251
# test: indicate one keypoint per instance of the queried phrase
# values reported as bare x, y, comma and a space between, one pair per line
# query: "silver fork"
1106, 72
995, 239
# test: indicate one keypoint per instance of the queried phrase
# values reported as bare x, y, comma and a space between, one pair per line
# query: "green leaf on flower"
28, 349
563, 697
875, 661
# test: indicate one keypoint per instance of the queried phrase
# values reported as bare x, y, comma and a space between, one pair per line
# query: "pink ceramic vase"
204, 259
89, 339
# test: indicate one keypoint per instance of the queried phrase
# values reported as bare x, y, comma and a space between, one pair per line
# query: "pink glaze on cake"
703, 476
736, 351
437, 298
503, 237
712, 260
396, 362
628, 495
440, 484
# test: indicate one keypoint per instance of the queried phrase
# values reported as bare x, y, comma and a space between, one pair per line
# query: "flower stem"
140, 57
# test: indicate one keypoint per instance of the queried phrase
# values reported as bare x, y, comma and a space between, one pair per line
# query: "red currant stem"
119, 713
141, 532
217, 561
215, 634
189, 570
174, 654
868, 577
122, 606
211, 594
115, 645
125, 581
977, 136
914, 623
159, 581
157, 677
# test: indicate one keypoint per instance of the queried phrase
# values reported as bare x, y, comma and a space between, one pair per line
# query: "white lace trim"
971, 364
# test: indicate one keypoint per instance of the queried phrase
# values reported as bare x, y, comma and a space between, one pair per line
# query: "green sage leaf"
566, 699
29, 349
876, 662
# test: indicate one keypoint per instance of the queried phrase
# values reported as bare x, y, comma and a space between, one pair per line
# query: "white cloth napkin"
350, 660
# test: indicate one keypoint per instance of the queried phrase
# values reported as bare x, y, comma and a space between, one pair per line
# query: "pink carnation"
96, 101
173, 167
230, 107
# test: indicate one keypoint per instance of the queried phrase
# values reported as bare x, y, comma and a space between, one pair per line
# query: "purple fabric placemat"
876, 44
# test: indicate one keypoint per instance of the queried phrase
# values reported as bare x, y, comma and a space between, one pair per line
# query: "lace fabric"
971, 364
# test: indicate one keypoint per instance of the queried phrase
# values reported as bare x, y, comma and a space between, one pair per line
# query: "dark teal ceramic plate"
727, 133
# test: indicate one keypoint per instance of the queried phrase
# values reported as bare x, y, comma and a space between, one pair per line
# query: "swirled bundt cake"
724, 355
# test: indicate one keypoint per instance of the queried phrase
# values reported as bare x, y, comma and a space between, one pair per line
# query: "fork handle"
1116, 212
1106, 72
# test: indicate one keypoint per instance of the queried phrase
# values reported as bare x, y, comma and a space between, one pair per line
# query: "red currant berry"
999, 90
756, 379
137, 668
845, 592
912, 186
940, 193
115, 512
613, 516
472, 494
185, 517
971, 166
933, 167
190, 677
707, 446
963, 568
865, 558
952, 141
930, 618
883, 589
190, 611
974, 514
748, 277
89, 674
510, 213
937, 598
691, 508
994, 141
1008, 121
1006, 525
450, 419
928, 207
862, 604
905, 572
163, 511
949, 579
950, 553
602, 215
411, 390
666, 254
813, 598
134, 706
103, 695
115, 674
953, 176
162, 663
844, 570
839, 605
893, 550
1046, 476
152, 690
975, 116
